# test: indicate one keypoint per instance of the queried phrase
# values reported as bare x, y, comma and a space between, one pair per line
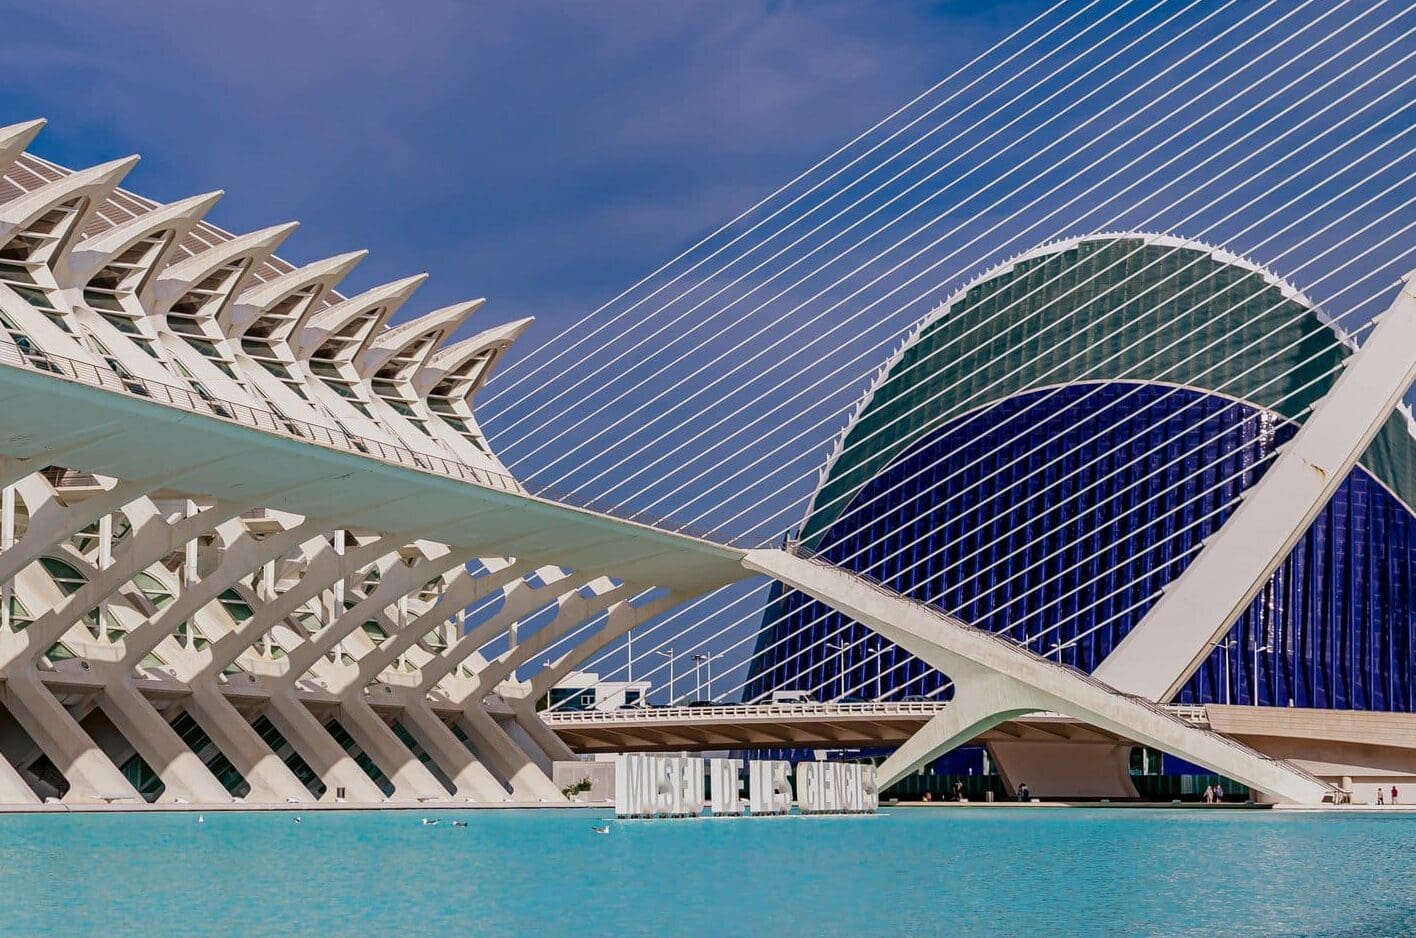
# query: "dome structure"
1054, 444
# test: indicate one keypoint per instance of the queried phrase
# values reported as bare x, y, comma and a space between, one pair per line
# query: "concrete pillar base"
527, 781
92, 776
182, 773
270, 779
411, 779
334, 766
1065, 768
473, 781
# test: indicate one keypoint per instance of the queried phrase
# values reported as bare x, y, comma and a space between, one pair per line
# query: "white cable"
520, 369
801, 326
722, 377
1232, 51
624, 349
1099, 366
714, 637
860, 441
1065, 547
710, 636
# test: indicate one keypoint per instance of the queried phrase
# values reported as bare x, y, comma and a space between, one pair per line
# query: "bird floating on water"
601, 830
429, 821
459, 823
201, 819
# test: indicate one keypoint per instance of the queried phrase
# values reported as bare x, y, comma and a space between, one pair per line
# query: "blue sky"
543, 155
547, 155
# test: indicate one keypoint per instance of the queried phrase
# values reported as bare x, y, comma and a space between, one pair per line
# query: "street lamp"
1226, 645
840, 667
1257, 650
629, 657
697, 679
670, 655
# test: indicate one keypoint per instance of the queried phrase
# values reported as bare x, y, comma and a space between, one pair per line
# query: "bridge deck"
83, 418
809, 726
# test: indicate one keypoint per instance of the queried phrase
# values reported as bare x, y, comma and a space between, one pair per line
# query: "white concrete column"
182, 773
270, 779
497, 750
473, 781
92, 776
309, 738
410, 777
542, 735
1165, 648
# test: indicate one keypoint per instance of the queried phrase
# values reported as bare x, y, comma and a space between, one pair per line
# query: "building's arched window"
236, 607
64, 575
46, 236
20, 617
110, 292
70, 580
28, 252
152, 588
193, 317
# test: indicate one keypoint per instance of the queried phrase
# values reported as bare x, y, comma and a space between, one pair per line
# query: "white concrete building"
254, 546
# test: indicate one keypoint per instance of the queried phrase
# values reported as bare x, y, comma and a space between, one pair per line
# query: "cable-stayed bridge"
257, 545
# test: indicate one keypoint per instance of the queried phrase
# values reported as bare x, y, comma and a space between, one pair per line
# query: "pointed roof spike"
250, 305
15, 138
91, 255
452, 357
386, 345
387, 298
95, 183
178, 278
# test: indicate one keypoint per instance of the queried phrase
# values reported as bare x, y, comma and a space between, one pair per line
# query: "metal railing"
805, 553
32, 358
1193, 715
738, 711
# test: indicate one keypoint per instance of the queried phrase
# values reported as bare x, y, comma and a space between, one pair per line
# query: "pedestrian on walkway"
1393, 794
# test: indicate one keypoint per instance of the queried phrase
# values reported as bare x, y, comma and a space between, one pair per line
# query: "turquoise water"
906, 872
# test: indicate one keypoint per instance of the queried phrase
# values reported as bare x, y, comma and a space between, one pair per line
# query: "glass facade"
1056, 513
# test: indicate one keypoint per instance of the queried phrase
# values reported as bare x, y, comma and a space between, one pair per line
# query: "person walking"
1381, 796
1393, 794
1023, 793
1209, 795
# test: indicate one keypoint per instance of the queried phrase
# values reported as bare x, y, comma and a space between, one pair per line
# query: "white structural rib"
14, 139
293, 296
363, 316
1160, 654
85, 189
251, 249
176, 220
408, 347
994, 681
459, 363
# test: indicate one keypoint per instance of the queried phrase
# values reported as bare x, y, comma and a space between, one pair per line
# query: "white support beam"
991, 673
1165, 648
